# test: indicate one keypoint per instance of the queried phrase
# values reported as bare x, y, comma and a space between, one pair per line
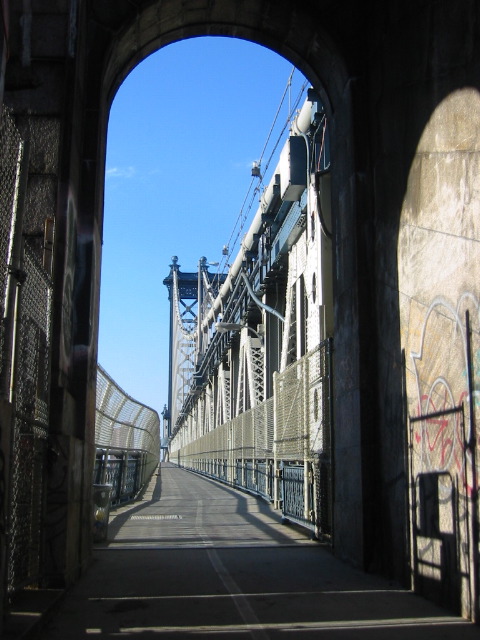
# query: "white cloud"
119, 172
244, 164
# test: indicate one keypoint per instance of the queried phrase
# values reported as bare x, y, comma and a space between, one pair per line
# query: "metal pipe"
16, 276
246, 245
472, 446
257, 301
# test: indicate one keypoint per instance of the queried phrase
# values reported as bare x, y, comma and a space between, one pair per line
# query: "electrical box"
293, 169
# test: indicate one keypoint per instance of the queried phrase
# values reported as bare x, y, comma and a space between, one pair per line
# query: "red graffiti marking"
442, 442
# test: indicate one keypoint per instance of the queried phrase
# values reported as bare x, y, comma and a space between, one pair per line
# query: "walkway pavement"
195, 559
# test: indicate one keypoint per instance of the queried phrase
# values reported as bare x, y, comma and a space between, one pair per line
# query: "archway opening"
182, 140
188, 172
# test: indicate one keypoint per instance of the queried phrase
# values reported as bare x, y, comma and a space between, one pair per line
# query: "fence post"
15, 273
306, 435
276, 468
103, 475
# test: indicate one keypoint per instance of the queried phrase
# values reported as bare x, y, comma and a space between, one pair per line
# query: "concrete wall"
423, 114
383, 69
44, 89
439, 281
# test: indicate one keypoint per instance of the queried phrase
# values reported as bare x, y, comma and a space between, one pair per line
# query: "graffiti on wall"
440, 369
444, 465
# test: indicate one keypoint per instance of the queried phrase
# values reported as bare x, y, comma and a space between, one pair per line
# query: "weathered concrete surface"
439, 272
224, 566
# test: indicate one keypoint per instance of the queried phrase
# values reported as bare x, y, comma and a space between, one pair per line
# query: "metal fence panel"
30, 430
250, 482
127, 438
293, 479
122, 422
113, 477
264, 480
10, 165
290, 425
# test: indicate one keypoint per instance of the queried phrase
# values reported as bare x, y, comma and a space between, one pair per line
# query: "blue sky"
184, 129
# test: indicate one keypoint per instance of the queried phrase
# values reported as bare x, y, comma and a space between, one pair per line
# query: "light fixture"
225, 327
256, 170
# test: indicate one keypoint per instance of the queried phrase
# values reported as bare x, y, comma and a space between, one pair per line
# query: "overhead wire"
245, 211
287, 88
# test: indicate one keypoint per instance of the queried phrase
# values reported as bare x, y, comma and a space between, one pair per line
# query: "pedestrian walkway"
195, 559
181, 509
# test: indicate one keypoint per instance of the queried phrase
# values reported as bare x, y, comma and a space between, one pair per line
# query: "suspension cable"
243, 214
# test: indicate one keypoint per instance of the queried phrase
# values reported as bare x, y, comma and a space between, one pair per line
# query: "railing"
127, 439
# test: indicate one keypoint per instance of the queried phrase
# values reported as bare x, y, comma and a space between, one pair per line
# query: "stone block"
41, 202
44, 136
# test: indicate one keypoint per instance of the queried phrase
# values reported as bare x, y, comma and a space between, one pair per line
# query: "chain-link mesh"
264, 429
28, 463
290, 404
30, 424
10, 160
123, 423
34, 344
321, 437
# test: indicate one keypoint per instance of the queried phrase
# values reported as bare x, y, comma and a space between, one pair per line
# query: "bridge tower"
190, 295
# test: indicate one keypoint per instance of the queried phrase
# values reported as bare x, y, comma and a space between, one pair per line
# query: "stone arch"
119, 38
274, 25
337, 46
155, 25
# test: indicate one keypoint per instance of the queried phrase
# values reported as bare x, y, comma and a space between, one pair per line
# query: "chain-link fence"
30, 431
127, 438
25, 308
11, 153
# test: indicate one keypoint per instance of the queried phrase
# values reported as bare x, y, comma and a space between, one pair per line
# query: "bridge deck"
196, 559
181, 509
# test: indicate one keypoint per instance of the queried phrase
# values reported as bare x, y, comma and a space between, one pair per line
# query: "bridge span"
195, 558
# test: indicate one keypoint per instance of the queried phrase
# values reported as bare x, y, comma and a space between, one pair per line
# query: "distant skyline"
184, 130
